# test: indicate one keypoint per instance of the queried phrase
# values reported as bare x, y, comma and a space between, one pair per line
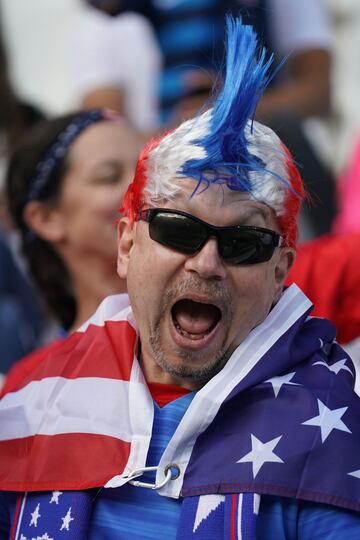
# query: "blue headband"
59, 149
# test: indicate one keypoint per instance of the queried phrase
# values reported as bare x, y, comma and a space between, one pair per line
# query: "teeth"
188, 335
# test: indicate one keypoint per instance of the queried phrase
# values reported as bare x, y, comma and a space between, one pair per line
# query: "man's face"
192, 311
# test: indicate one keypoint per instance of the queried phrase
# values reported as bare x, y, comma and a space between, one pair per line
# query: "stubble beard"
192, 365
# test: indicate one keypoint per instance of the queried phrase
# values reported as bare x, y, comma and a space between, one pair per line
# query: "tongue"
194, 317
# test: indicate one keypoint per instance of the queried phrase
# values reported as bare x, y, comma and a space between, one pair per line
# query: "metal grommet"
174, 469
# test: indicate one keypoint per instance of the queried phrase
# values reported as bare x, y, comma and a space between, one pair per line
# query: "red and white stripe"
87, 408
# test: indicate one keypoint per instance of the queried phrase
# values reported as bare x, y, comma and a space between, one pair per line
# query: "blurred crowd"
65, 159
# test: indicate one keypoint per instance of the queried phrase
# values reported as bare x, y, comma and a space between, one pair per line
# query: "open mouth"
195, 320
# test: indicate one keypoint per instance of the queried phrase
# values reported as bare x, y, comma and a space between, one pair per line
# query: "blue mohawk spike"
226, 147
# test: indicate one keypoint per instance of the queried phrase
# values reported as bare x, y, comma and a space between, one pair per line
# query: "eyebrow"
107, 163
105, 167
264, 212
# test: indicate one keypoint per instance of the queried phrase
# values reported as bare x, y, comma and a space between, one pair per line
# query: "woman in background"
64, 185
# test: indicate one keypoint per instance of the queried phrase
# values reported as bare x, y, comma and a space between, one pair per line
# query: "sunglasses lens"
186, 234
177, 232
246, 247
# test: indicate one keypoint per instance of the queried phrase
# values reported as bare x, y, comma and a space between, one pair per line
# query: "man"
211, 406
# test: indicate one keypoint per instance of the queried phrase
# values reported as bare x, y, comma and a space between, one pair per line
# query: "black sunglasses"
187, 234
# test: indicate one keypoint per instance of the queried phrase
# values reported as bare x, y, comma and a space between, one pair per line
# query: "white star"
22, 537
206, 505
43, 537
277, 382
335, 368
55, 497
66, 520
355, 473
35, 515
261, 453
327, 420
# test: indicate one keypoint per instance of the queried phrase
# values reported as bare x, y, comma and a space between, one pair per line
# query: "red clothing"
165, 393
328, 271
161, 393
24, 368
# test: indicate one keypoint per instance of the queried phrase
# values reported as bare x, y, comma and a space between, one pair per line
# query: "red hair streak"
134, 196
288, 220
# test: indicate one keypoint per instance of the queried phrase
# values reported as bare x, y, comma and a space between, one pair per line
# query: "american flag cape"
281, 418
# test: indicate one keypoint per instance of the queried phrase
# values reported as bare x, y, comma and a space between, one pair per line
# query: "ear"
125, 244
285, 261
45, 221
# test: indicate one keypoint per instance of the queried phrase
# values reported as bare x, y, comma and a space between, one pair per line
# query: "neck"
92, 281
155, 374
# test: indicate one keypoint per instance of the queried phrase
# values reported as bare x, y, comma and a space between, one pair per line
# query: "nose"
207, 262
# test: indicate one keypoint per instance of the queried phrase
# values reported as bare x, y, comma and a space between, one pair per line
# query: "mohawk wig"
224, 145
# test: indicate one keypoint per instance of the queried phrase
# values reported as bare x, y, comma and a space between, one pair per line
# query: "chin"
189, 365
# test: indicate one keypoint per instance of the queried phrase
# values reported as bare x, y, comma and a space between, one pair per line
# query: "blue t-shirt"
191, 35
132, 512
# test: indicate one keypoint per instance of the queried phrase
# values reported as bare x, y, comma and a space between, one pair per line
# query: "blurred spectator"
117, 65
191, 37
345, 121
65, 181
21, 316
348, 218
328, 271
15, 118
